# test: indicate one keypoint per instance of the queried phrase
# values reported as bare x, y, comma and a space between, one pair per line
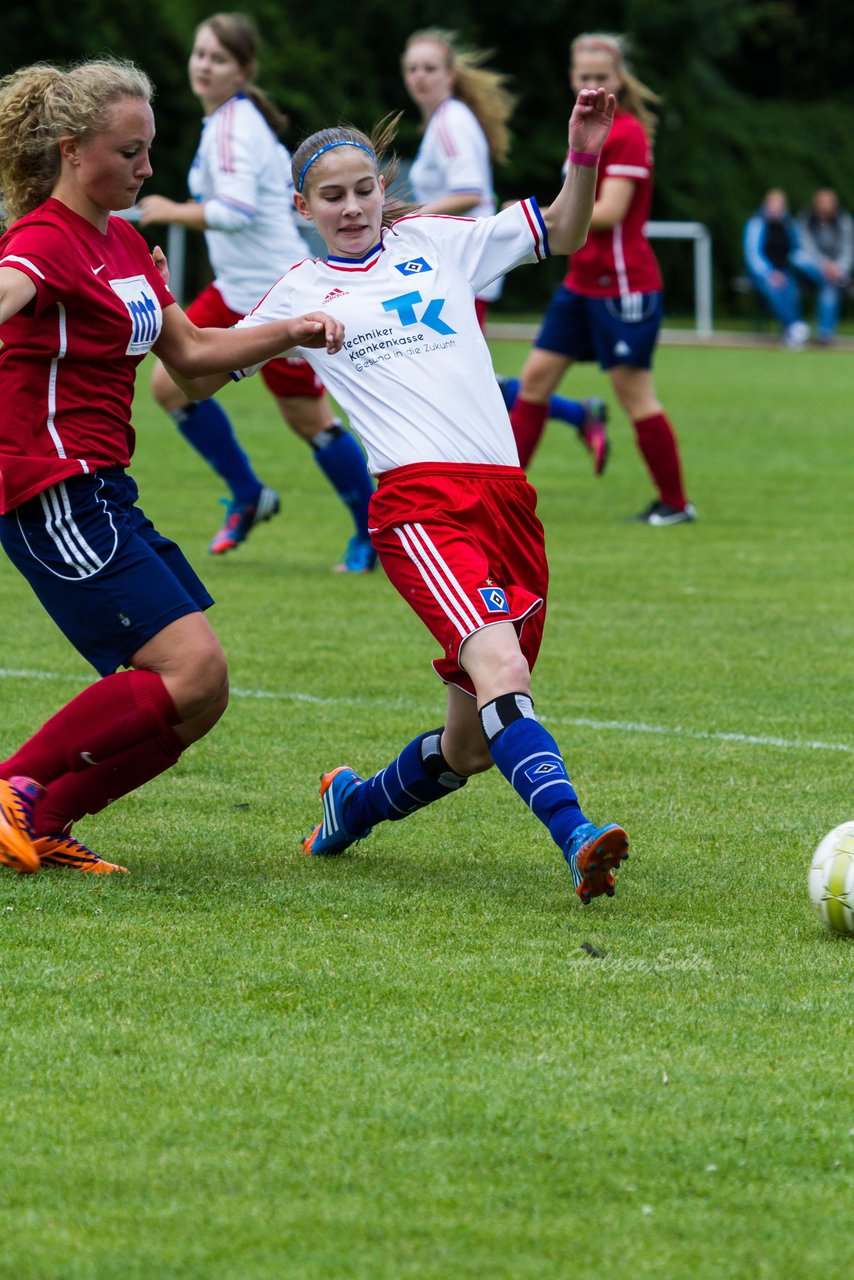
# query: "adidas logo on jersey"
622, 349
331, 297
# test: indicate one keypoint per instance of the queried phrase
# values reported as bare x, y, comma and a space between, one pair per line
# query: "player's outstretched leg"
352, 808
530, 760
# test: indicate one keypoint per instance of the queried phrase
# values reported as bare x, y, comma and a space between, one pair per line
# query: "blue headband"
345, 142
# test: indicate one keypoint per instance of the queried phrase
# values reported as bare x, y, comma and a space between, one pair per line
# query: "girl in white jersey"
466, 110
453, 518
242, 198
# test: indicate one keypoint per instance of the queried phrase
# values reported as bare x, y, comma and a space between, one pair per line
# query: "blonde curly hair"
42, 103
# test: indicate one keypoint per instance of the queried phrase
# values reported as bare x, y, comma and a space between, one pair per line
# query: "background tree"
755, 92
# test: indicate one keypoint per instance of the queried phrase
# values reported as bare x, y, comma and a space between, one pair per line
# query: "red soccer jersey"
68, 361
619, 261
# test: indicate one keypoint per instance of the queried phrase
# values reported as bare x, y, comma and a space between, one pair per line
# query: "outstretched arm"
199, 360
568, 217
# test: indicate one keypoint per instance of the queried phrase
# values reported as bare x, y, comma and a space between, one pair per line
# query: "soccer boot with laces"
65, 851
594, 432
241, 517
17, 798
661, 514
594, 854
332, 835
359, 556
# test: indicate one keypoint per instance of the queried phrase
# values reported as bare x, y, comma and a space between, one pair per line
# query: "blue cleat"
593, 854
332, 836
241, 517
359, 556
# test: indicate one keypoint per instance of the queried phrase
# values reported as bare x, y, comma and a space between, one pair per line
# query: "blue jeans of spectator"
783, 301
827, 308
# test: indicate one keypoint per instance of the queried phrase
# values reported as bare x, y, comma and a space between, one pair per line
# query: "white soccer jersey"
415, 375
454, 157
242, 174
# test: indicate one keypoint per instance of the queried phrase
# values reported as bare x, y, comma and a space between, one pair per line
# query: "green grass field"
239, 1064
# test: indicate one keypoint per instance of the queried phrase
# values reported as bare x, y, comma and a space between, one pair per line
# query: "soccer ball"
831, 879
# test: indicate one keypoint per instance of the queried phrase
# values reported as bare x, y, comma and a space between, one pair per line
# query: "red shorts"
463, 546
285, 376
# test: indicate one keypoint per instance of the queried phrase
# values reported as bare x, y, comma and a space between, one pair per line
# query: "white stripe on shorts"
61, 526
439, 579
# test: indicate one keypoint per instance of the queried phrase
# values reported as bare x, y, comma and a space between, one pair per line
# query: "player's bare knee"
509, 673
201, 685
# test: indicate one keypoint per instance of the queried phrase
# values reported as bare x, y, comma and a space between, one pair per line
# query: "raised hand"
591, 120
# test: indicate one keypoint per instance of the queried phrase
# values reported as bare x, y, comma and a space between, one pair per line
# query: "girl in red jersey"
609, 307
81, 304
466, 110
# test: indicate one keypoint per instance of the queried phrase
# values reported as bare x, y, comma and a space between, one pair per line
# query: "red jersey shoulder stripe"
444, 134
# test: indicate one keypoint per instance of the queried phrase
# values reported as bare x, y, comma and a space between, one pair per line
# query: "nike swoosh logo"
95, 270
84, 755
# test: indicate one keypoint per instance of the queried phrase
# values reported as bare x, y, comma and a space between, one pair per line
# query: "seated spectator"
827, 233
777, 264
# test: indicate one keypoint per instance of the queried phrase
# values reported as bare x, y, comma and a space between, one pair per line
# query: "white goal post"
699, 233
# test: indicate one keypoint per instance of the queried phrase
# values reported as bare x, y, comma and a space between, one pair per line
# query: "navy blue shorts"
105, 575
610, 330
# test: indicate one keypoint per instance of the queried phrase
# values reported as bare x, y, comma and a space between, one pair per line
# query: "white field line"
580, 722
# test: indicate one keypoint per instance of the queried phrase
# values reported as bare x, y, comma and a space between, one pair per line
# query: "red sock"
72, 796
528, 421
657, 443
109, 717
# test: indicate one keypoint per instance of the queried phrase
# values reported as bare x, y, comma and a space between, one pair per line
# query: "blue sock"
207, 427
571, 411
509, 388
417, 777
530, 760
341, 460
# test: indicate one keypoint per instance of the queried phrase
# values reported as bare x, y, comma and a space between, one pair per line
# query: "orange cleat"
594, 854
16, 836
65, 851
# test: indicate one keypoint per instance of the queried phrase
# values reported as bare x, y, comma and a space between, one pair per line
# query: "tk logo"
431, 316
